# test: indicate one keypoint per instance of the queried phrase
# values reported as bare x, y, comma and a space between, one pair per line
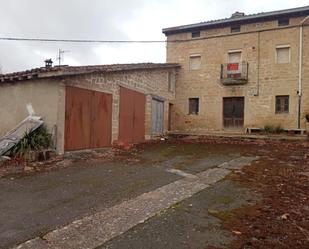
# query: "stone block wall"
266, 78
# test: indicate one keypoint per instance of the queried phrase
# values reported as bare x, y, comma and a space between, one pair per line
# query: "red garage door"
131, 116
88, 119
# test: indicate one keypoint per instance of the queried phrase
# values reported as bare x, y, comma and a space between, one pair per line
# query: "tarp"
29, 124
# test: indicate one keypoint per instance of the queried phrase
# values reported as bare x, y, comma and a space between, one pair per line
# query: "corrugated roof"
239, 19
59, 71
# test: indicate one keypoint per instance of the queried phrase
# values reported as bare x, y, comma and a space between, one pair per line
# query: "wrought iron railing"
234, 73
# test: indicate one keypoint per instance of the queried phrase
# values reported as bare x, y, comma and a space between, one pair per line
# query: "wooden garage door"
88, 119
131, 116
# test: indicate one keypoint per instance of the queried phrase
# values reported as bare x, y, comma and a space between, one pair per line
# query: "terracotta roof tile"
59, 71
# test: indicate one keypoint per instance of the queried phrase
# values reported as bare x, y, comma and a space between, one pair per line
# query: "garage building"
88, 107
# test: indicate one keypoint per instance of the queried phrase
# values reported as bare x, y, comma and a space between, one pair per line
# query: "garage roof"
58, 71
239, 19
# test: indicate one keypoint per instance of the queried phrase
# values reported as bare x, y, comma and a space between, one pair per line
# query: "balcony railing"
234, 73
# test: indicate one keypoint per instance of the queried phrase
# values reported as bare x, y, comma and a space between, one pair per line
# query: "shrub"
273, 129
269, 128
33, 141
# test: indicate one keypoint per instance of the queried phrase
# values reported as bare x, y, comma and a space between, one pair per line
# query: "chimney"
237, 14
48, 63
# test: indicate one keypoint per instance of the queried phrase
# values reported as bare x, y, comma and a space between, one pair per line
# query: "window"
283, 54
235, 29
234, 66
234, 56
282, 104
284, 22
196, 34
195, 62
194, 106
171, 81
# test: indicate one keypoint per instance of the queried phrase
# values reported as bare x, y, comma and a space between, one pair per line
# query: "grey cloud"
69, 19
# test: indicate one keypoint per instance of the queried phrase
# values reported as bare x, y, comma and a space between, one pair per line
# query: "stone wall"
265, 79
152, 83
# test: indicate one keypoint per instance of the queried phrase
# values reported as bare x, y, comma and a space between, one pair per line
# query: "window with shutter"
195, 62
283, 55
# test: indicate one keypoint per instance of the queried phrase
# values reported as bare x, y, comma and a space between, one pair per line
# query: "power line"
77, 40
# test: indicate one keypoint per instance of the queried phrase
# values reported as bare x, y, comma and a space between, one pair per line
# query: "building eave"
267, 16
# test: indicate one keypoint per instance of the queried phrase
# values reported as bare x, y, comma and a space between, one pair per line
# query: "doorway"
233, 113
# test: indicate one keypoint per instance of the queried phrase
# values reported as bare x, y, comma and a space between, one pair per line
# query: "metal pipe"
258, 66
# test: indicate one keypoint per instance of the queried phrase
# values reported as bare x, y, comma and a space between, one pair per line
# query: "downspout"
300, 69
258, 67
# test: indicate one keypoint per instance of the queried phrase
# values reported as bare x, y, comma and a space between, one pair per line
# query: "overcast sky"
106, 20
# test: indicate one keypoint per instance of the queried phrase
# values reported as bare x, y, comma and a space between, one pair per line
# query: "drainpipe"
300, 69
258, 66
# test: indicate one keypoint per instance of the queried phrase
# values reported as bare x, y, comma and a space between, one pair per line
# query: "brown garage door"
131, 116
88, 119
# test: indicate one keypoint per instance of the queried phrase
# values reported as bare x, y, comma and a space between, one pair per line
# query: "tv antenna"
60, 56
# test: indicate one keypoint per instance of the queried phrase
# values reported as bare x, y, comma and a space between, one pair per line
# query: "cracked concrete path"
95, 230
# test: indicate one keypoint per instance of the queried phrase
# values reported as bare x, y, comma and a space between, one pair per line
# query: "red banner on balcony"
232, 67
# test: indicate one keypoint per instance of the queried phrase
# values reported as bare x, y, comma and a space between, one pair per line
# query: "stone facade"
152, 83
266, 78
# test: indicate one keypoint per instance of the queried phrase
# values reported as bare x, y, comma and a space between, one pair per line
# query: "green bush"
33, 141
269, 128
273, 129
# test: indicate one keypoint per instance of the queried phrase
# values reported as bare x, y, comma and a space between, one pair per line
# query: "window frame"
283, 47
195, 56
282, 109
283, 22
236, 51
197, 107
195, 34
236, 28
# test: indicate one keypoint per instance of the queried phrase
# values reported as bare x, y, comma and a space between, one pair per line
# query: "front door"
233, 112
157, 117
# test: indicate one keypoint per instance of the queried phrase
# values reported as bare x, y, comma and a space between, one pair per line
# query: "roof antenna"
61, 55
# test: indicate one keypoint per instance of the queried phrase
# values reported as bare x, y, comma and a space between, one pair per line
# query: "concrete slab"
238, 163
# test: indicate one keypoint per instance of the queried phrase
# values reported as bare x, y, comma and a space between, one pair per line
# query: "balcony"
234, 73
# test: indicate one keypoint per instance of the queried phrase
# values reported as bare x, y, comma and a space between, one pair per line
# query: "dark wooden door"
88, 119
131, 116
233, 112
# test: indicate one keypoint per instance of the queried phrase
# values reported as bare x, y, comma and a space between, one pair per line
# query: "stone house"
91, 106
246, 71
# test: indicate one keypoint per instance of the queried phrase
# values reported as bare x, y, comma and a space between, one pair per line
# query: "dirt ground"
265, 205
281, 218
